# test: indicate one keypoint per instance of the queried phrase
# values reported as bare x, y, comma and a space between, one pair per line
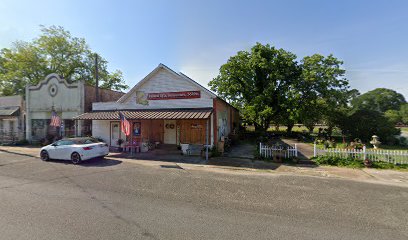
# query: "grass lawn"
404, 129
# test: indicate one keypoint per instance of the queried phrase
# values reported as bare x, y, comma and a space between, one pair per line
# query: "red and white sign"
173, 95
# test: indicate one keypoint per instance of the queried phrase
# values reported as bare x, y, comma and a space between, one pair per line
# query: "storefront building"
11, 119
67, 100
165, 107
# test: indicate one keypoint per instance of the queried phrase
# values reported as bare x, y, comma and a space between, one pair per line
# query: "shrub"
338, 161
385, 165
22, 142
354, 163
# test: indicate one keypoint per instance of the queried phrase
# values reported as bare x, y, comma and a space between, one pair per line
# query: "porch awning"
196, 113
9, 111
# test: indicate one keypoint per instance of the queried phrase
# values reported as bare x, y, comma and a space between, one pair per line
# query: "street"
110, 199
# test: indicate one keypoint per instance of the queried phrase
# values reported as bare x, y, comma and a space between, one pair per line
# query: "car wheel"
75, 158
44, 155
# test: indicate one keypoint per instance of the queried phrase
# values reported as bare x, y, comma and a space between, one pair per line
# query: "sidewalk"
248, 166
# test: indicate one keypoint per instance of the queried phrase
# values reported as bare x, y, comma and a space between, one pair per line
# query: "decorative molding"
52, 76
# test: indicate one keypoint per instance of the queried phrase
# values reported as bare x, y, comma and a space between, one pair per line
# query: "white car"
74, 149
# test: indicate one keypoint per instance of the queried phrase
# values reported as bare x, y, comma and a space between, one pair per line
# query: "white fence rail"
390, 156
277, 151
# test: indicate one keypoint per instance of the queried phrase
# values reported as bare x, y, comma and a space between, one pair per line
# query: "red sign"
173, 95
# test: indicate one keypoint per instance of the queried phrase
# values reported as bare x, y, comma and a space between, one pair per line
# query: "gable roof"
158, 68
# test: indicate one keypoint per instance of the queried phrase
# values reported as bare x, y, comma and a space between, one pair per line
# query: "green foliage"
404, 113
268, 85
385, 165
379, 99
365, 123
338, 161
54, 51
323, 90
354, 163
393, 116
257, 82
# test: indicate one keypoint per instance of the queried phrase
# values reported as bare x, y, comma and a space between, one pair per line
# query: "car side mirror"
54, 144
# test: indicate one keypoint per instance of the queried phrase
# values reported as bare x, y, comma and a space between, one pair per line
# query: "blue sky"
197, 37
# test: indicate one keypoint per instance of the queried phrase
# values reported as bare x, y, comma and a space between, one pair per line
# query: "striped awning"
196, 113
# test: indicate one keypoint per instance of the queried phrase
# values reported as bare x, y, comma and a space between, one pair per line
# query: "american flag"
124, 124
55, 119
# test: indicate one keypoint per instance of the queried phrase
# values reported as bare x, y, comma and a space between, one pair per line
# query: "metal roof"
196, 113
9, 111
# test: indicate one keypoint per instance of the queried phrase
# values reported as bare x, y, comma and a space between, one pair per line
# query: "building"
67, 100
165, 107
12, 115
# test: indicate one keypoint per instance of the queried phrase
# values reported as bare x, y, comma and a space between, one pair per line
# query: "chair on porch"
132, 147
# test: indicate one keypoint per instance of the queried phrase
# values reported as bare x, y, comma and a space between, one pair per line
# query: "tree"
54, 51
323, 90
379, 99
365, 123
393, 116
404, 113
258, 82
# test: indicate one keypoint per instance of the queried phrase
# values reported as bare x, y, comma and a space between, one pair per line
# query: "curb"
22, 154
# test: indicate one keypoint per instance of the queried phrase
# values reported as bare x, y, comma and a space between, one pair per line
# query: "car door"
61, 150
54, 149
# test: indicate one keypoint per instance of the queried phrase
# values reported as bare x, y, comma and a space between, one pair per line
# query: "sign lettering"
173, 95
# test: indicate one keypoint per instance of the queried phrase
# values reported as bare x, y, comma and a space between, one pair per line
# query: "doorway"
170, 132
114, 133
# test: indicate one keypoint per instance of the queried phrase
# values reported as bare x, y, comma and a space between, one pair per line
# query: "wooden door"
169, 132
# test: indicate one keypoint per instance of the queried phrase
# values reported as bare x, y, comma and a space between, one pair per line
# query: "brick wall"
104, 96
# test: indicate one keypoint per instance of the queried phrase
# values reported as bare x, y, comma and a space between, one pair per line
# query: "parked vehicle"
74, 149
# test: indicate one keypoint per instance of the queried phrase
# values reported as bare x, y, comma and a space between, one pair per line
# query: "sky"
197, 37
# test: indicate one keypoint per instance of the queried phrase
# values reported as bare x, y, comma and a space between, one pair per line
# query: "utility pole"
96, 79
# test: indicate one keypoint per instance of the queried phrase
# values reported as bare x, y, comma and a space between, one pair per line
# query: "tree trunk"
289, 127
329, 131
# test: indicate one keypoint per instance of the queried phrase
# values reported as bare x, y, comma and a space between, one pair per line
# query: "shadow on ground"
95, 162
99, 162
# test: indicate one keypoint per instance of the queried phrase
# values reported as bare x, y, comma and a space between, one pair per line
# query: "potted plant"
120, 142
367, 162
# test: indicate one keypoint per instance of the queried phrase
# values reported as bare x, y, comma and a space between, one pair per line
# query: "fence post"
296, 152
314, 150
260, 149
364, 153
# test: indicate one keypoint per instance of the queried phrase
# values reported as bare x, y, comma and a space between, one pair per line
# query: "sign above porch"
173, 95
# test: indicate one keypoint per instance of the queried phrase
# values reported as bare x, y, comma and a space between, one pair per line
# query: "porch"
165, 153
156, 129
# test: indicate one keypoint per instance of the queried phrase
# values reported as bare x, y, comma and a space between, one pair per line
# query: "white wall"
101, 129
162, 81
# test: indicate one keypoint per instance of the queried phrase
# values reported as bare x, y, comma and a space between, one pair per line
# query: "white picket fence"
279, 151
390, 156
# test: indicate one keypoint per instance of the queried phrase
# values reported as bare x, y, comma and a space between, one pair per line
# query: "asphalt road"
108, 199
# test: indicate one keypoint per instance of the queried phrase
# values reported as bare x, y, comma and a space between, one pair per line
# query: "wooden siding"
192, 131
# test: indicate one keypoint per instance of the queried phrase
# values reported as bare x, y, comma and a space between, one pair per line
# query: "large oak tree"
268, 84
258, 82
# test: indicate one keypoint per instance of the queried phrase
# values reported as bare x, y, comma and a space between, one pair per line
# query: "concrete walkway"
241, 150
305, 150
248, 166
